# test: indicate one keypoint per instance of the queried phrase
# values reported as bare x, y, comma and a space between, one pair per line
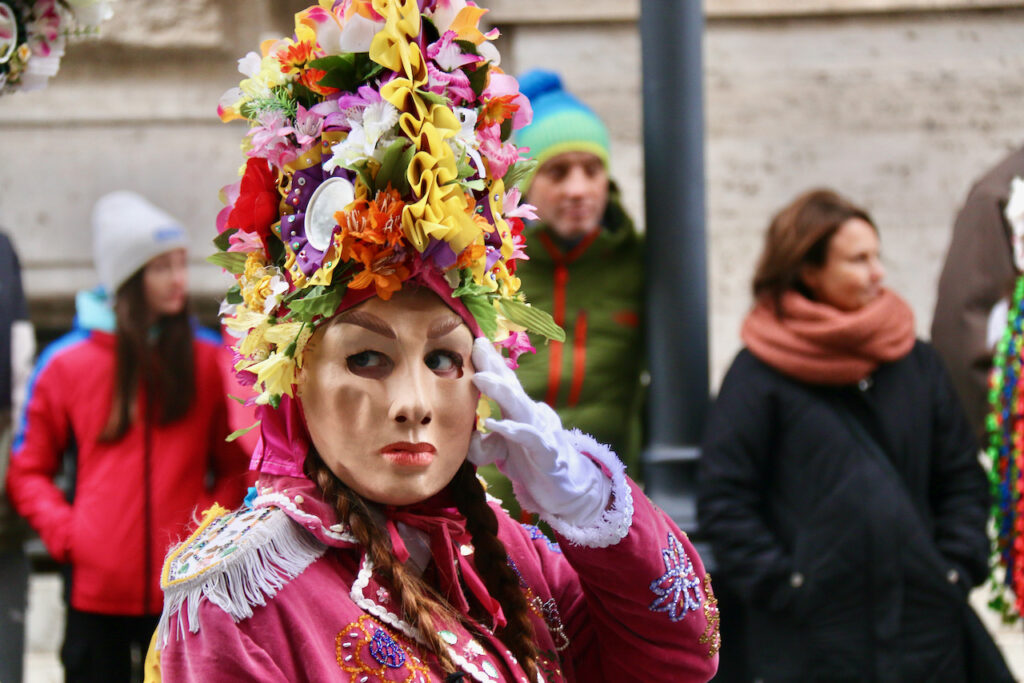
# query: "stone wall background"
898, 104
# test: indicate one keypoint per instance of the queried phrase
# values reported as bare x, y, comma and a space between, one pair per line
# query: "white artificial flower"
1014, 213
445, 13
249, 65
278, 288
229, 309
489, 52
465, 140
358, 33
370, 128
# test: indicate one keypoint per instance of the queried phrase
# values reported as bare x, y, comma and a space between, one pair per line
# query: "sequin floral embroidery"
364, 647
678, 589
546, 610
711, 637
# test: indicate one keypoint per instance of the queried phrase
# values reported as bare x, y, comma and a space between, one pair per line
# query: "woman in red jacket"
135, 396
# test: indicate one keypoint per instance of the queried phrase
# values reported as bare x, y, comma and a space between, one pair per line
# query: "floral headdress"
33, 35
378, 154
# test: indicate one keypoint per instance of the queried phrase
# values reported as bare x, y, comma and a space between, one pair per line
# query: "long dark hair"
798, 236
421, 605
162, 365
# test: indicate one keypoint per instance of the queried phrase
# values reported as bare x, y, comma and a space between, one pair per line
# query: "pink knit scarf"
820, 344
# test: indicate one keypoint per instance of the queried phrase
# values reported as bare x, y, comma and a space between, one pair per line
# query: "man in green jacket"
585, 268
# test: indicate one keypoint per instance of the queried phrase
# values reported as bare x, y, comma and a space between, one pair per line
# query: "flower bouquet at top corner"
378, 152
34, 33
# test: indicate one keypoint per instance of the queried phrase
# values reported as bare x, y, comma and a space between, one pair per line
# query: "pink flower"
517, 344
513, 209
270, 139
455, 84
228, 195
499, 155
308, 124
245, 242
503, 85
448, 55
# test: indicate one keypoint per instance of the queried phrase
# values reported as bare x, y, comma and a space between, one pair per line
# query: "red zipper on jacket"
561, 281
579, 358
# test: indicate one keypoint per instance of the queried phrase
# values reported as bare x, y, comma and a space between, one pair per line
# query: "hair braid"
422, 608
491, 559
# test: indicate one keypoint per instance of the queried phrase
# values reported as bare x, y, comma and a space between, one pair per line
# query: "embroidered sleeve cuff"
614, 523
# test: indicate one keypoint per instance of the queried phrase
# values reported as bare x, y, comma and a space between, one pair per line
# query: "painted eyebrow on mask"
369, 322
440, 328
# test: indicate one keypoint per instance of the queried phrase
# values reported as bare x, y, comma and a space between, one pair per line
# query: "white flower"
465, 140
1014, 213
445, 13
249, 65
370, 127
278, 287
227, 309
358, 34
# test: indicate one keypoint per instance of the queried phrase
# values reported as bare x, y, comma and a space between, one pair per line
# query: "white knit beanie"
127, 232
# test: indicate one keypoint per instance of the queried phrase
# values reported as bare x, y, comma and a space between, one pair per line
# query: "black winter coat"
846, 573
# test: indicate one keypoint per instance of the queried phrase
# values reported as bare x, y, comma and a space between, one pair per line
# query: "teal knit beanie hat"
561, 123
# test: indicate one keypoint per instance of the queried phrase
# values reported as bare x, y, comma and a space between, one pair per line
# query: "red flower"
257, 206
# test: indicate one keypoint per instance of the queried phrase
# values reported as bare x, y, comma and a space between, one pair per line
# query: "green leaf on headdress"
478, 77
231, 261
319, 301
468, 287
506, 128
517, 172
467, 46
234, 295
223, 240
362, 169
429, 30
243, 431
433, 97
533, 319
483, 311
393, 166
346, 72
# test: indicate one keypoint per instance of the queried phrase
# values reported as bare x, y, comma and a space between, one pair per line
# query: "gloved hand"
549, 475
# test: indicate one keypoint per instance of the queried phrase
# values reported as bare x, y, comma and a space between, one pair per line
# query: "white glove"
549, 474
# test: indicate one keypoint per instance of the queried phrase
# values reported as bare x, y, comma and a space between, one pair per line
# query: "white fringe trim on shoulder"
614, 523
270, 553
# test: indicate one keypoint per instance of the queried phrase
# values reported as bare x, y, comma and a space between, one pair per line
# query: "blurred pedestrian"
585, 268
137, 397
17, 347
840, 485
978, 273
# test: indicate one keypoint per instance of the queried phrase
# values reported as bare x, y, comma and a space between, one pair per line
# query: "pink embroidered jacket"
279, 591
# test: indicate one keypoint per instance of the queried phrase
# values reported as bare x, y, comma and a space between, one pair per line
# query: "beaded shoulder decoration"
1005, 427
235, 560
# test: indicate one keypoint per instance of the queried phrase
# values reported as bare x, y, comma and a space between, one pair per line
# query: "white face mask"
387, 393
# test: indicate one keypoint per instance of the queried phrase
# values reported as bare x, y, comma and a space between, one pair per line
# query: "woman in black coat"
841, 489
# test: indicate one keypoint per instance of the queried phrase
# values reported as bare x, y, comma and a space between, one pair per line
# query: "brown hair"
422, 606
163, 366
798, 236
